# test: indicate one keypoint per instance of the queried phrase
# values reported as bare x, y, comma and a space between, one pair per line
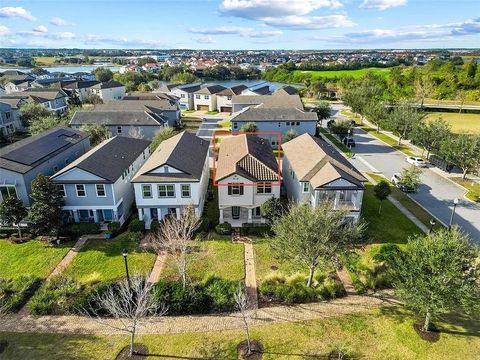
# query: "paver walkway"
183, 324
346, 281
157, 267
250, 277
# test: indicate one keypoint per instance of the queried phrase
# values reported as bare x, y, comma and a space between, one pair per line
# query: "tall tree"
103, 74
403, 119
463, 150
376, 113
45, 212
12, 211
272, 209
431, 134
381, 191
249, 127
31, 112
423, 87
323, 110
96, 133
160, 136
309, 235
410, 177
438, 273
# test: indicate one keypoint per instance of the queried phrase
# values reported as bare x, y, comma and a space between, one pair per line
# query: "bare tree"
135, 133
174, 235
129, 303
242, 304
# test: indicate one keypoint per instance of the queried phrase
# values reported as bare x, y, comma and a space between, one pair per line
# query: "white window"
61, 190
165, 169
206, 97
100, 190
119, 129
229, 97
305, 187
264, 188
80, 190
197, 96
166, 191
147, 191
235, 189
185, 190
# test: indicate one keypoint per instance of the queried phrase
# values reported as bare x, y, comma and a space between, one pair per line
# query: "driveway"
436, 193
209, 124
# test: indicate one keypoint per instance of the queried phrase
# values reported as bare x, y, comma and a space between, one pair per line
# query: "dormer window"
165, 169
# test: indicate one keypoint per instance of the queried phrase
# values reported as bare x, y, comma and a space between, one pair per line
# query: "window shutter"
229, 190
241, 189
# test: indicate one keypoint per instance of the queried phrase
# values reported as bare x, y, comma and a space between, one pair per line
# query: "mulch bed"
257, 350
433, 335
140, 351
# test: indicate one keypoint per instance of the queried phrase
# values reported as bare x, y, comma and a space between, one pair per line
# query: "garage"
202, 107
226, 109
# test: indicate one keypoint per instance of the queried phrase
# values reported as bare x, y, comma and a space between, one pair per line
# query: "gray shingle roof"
261, 113
234, 90
138, 118
277, 99
109, 159
185, 152
107, 85
212, 89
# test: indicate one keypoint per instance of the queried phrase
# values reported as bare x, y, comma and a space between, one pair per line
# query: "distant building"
55, 100
108, 91
185, 95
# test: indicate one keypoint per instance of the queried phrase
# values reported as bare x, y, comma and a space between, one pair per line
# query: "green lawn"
225, 124
342, 73
450, 102
210, 257
461, 123
101, 260
389, 140
472, 187
336, 142
381, 334
31, 258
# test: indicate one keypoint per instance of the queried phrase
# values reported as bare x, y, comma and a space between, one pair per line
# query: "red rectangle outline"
225, 132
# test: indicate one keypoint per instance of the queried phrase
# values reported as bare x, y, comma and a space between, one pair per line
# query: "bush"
181, 301
255, 230
205, 225
79, 229
15, 292
220, 293
223, 229
136, 225
155, 226
114, 228
387, 253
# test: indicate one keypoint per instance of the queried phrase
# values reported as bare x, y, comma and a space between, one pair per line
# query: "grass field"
31, 258
386, 333
341, 73
449, 102
472, 187
101, 260
210, 257
461, 123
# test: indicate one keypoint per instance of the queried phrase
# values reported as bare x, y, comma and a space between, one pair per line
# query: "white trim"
84, 190
104, 190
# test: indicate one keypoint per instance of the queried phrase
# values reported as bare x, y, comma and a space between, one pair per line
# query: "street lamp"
455, 203
125, 254
432, 224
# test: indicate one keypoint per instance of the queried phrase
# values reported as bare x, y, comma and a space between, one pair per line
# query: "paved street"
436, 193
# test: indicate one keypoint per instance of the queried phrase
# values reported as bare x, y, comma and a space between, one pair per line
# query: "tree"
376, 113
410, 177
45, 212
31, 112
146, 60
403, 119
381, 191
437, 273
249, 127
323, 110
290, 135
103, 74
431, 134
46, 123
12, 211
161, 135
96, 133
175, 234
309, 235
463, 150
129, 302
183, 78
423, 88
243, 305
155, 84
144, 87
272, 209
93, 99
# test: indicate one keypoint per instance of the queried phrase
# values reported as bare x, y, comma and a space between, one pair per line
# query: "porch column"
76, 218
250, 215
140, 216
95, 216
337, 199
221, 216
177, 213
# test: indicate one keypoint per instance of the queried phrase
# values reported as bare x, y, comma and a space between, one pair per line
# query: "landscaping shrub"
15, 292
154, 226
114, 228
79, 229
136, 225
181, 301
220, 293
387, 253
255, 230
223, 229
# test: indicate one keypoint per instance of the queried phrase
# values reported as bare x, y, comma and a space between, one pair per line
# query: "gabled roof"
189, 88
79, 84
247, 155
165, 88
276, 100
112, 118
107, 85
24, 155
212, 89
13, 102
288, 89
109, 159
262, 113
184, 152
314, 160
38, 95
234, 90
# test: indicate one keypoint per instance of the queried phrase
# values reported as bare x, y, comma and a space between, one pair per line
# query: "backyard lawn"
342, 73
472, 187
210, 257
30, 258
101, 260
461, 123
386, 333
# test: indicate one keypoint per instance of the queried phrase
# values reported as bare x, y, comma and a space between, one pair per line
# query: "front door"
235, 212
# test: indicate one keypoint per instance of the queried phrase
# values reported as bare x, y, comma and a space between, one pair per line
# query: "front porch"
238, 215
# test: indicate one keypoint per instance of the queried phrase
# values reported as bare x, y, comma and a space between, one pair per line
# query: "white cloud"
204, 40
92, 39
382, 4
222, 30
310, 22
263, 34
4, 30
58, 21
41, 29
16, 12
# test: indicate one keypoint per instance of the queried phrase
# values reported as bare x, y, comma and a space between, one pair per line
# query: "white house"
185, 95
314, 170
175, 176
279, 99
224, 97
205, 99
107, 91
247, 175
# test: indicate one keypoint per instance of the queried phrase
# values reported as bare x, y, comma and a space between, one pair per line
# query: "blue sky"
240, 24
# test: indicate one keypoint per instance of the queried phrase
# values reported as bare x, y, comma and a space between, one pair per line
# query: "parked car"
397, 181
349, 142
417, 161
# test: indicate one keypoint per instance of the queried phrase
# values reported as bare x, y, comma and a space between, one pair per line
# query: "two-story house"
55, 100
224, 97
247, 174
96, 187
314, 170
175, 176
185, 95
108, 91
9, 117
78, 89
205, 99
279, 99
45, 153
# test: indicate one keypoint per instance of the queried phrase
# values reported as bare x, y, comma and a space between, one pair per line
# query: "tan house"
205, 99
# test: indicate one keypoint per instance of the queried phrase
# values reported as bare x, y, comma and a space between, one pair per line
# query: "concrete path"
346, 281
184, 324
250, 277
157, 267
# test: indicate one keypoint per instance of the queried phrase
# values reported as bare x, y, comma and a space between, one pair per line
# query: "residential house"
131, 118
9, 118
224, 97
247, 175
258, 89
17, 82
205, 99
278, 99
151, 67
55, 100
166, 88
314, 170
175, 176
96, 187
45, 153
287, 90
185, 95
108, 91
78, 89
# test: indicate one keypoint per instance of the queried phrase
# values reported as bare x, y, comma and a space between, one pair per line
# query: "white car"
397, 181
417, 161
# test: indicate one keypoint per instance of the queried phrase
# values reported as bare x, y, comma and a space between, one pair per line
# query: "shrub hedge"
16, 292
79, 229
255, 230
136, 225
223, 229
